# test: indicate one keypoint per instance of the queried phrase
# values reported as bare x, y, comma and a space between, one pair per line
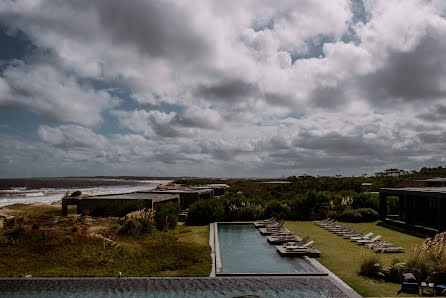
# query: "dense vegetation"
309, 206
303, 198
85, 246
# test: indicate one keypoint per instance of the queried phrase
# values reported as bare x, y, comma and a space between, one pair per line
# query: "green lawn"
344, 258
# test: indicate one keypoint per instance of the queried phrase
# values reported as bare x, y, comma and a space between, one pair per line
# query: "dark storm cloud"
418, 74
331, 98
155, 27
227, 90
336, 144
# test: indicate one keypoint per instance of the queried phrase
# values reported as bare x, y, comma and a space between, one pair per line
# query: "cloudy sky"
221, 88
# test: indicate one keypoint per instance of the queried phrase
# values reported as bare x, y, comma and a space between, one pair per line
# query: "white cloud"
255, 88
71, 136
47, 91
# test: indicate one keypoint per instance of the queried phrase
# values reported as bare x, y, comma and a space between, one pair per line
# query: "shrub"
370, 266
138, 223
18, 232
315, 204
350, 216
21, 220
368, 214
245, 211
76, 193
365, 200
358, 215
276, 209
166, 217
206, 211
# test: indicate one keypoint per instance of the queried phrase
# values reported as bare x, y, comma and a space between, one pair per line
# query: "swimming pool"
242, 249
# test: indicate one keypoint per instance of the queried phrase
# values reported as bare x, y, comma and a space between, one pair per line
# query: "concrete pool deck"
321, 271
317, 286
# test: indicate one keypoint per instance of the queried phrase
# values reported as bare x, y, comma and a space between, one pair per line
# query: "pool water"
244, 250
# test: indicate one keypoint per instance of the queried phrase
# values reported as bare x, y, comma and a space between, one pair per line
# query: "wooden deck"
260, 225
300, 252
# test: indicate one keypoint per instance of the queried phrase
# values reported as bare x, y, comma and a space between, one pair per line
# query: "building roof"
276, 182
182, 190
156, 197
424, 191
366, 184
436, 180
216, 185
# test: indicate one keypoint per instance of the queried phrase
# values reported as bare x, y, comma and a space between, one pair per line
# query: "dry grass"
86, 246
430, 256
138, 223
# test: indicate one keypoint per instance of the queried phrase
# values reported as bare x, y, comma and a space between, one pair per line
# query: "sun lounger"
353, 234
298, 251
324, 222
332, 225
277, 225
297, 243
339, 228
366, 236
283, 238
344, 231
328, 223
298, 246
264, 223
272, 219
283, 232
378, 244
364, 241
269, 232
389, 249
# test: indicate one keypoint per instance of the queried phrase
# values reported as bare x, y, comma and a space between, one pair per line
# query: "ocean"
48, 195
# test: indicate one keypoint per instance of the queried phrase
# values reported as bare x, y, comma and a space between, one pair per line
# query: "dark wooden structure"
86, 204
219, 189
188, 195
421, 208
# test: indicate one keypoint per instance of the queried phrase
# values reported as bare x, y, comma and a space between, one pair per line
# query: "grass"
344, 258
54, 249
193, 234
36, 209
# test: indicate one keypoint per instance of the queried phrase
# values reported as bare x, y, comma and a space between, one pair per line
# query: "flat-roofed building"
87, 204
421, 209
219, 189
188, 195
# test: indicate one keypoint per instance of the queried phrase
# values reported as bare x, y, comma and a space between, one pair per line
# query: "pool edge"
212, 245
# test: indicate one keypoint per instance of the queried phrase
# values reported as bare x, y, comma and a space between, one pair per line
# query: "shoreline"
49, 193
